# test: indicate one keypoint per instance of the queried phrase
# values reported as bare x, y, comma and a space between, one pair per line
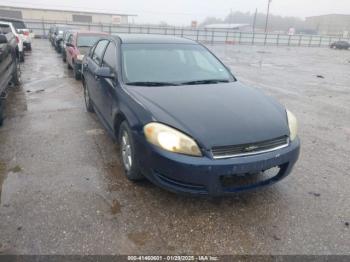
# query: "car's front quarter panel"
132, 109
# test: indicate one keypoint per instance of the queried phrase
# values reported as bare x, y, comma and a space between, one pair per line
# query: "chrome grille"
250, 149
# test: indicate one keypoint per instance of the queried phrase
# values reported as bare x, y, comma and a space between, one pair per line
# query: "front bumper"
207, 176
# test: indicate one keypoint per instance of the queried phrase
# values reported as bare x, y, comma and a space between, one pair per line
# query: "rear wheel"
16, 76
77, 74
128, 153
69, 66
1, 112
88, 103
21, 56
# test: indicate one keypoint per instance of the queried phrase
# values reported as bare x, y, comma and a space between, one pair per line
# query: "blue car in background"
182, 119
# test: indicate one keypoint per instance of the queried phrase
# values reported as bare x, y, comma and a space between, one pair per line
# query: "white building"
63, 16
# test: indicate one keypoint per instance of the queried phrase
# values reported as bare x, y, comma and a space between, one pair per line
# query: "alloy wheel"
126, 151
87, 97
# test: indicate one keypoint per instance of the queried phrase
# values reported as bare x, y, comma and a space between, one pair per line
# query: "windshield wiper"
151, 84
206, 81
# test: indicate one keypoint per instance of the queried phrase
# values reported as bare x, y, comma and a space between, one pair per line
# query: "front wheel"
128, 153
1, 113
88, 104
21, 56
77, 74
16, 76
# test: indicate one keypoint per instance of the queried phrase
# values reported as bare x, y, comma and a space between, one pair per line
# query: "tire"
129, 156
77, 74
69, 66
87, 99
21, 57
1, 113
16, 76
29, 47
64, 59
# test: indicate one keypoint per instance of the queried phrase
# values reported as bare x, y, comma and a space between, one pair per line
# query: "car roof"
5, 22
82, 32
9, 19
151, 39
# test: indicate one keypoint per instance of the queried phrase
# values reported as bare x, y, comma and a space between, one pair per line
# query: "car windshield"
87, 40
151, 64
18, 24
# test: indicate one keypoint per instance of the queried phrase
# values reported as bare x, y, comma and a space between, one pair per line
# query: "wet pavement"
63, 190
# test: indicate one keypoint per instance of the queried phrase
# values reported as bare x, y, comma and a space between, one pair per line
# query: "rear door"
93, 82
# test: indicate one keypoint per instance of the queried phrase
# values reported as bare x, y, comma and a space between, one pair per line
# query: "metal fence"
209, 36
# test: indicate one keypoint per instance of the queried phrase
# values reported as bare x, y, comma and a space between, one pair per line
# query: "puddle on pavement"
9, 179
139, 238
16, 102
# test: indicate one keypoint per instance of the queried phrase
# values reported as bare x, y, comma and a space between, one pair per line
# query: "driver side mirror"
3, 39
105, 72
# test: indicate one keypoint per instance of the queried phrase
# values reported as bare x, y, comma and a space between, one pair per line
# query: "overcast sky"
181, 12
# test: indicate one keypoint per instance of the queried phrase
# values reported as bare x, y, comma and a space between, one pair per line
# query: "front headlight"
293, 125
80, 57
171, 139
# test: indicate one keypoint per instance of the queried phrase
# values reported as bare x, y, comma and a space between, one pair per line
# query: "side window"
99, 50
110, 57
70, 39
67, 36
5, 29
92, 49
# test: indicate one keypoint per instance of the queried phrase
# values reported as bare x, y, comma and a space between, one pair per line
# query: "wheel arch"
118, 119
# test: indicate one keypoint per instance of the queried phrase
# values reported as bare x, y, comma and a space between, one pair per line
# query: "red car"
77, 46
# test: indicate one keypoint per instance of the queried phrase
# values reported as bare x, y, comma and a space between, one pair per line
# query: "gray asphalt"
63, 190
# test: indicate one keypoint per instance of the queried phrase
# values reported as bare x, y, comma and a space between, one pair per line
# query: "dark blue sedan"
182, 119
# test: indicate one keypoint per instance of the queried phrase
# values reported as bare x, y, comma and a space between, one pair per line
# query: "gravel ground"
62, 190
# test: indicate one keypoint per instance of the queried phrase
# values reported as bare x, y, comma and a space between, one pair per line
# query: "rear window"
87, 40
18, 24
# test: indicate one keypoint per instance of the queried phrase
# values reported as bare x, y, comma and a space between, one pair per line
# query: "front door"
108, 86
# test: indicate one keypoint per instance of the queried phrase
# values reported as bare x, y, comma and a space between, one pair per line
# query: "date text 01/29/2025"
173, 258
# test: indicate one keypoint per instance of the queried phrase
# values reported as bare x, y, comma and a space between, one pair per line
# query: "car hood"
217, 114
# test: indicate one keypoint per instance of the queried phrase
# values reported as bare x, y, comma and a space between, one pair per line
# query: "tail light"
17, 39
26, 33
